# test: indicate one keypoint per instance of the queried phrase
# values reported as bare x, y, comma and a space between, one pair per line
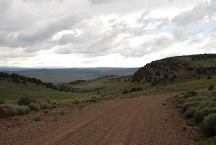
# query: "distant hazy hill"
177, 68
72, 74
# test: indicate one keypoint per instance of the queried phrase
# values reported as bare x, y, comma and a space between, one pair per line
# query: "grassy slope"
110, 86
12, 91
107, 86
115, 86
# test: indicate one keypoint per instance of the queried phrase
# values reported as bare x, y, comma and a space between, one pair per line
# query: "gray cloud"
42, 0
152, 46
4, 6
132, 29
103, 1
96, 43
196, 14
39, 34
44, 30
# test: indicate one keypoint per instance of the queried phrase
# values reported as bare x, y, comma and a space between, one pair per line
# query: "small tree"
24, 101
211, 87
2, 101
124, 91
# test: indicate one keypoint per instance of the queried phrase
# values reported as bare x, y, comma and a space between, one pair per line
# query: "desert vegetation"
200, 107
22, 79
32, 97
24, 106
174, 69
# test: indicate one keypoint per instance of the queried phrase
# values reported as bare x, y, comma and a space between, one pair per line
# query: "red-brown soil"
3, 113
145, 120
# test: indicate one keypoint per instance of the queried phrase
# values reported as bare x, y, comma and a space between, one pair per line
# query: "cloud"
97, 29
42, 31
4, 6
92, 41
121, 38
103, 1
206, 9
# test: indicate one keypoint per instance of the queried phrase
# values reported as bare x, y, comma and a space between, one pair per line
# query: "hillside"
67, 102
22, 79
177, 73
175, 69
14, 86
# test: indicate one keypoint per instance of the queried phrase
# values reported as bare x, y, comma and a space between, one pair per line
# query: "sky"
103, 33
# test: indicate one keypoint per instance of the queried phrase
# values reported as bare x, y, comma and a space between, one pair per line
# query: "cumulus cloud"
103, 1
197, 13
45, 29
97, 29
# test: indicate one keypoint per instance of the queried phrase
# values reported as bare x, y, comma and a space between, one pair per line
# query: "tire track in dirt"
95, 131
57, 135
139, 121
156, 127
118, 133
52, 136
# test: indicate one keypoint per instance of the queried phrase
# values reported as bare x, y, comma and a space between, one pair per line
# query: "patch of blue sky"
206, 28
165, 29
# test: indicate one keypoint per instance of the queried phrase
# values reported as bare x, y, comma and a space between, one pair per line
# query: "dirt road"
139, 121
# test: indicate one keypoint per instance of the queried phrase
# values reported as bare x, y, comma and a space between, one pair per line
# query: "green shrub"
211, 141
125, 92
180, 101
22, 110
200, 114
200, 98
76, 101
2, 101
187, 105
189, 113
189, 94
14, 110
93, 99
209, 125
24, 101
49, 100
134, 89
211, 87
34, 106
208, 103
44, 106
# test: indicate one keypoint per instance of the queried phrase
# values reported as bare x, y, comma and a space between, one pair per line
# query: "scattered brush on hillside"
175, 69
22, 79
201, 108
24, 100
14, 110
34, 106
25, 105
91, 86
69, 88
133, 89
2, 100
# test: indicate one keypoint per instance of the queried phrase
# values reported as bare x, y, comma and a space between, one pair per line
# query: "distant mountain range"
65, 75
12, 68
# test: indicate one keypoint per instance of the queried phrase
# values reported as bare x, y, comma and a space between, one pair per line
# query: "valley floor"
148, 120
